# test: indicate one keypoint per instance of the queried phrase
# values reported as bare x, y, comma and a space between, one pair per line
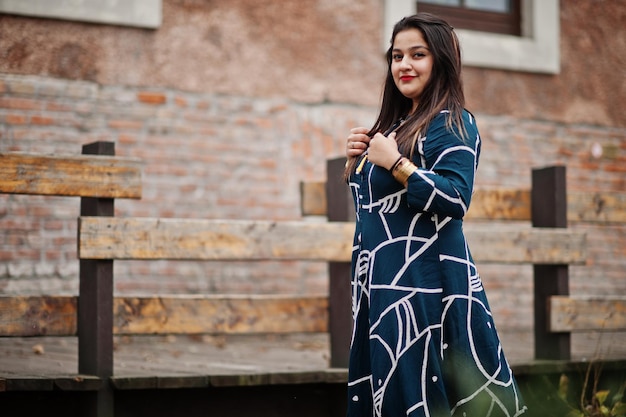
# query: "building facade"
232, 103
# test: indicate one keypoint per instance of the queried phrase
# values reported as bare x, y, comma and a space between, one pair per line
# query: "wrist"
402, 170
395, 164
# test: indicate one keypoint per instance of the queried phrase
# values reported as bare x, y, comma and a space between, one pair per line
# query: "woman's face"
411, 64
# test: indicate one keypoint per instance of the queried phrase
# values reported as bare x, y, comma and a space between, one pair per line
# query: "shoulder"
441, 125
469, 122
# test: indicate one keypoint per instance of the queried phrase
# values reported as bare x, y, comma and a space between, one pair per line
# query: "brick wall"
232, 103
217, 156
206, 156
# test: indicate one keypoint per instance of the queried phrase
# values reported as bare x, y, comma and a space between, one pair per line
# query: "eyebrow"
412, 48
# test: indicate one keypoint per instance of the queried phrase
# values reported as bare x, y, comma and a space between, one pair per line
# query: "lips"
407, 77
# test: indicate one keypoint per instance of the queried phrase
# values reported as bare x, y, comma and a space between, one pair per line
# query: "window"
536, 49
140, 13
496, 16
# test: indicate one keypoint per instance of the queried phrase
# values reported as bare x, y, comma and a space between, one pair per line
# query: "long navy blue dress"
424, 341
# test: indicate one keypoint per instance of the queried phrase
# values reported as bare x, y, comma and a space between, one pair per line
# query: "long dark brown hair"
444, 90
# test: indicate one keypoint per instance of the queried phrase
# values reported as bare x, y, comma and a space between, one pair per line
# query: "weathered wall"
308, 50
314, 51
590, 88
232, 103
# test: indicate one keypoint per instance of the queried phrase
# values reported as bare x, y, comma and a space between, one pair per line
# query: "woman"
424, 341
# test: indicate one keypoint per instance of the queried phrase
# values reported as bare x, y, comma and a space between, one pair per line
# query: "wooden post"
95, 306
339, 208
549, 209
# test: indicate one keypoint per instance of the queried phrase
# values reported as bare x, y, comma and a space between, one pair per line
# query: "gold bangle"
403, 171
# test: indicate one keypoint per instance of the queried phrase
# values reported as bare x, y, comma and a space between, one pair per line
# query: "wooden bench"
545, 242
98, 177
95, 316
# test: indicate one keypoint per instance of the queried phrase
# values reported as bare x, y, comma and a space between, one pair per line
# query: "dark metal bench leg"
95, 307
549, 209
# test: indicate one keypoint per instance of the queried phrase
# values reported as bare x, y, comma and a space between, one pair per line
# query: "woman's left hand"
383, 150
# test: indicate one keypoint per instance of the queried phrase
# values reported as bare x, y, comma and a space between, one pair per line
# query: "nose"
405, 62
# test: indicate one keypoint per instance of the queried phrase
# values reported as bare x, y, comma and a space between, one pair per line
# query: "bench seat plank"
228, 240
70, 175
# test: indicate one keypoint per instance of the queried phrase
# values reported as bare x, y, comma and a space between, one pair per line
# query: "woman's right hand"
384, 150
357, 142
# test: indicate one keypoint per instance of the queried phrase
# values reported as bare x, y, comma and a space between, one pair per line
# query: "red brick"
64, 241
26, 254
124, 139
52, 225
125, 124
15, 119
189, 188
56, 106
264, 123
278, 108
6, 255
19, 103
151, 97
615, 167
40, 211
590, 166
269, 164
41, 120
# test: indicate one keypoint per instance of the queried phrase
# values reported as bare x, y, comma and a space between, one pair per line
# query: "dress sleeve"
446, 184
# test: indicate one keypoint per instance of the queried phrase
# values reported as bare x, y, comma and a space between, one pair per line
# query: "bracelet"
403, 171
395, 164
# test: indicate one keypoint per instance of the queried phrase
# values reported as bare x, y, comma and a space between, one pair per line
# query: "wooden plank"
220, 314
29, 383
78, 383
70, 175
37, 315
182, 381
56, 316
526, 245
313, 198
587, 313
240, 380
502, 204
147, 238
599, 207
135, 382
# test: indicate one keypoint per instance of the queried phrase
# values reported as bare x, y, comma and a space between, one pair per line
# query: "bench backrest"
103, 239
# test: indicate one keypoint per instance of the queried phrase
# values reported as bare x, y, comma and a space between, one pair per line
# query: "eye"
396, 57
419, 55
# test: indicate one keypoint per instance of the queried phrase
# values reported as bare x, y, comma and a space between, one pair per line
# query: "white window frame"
537, 50
137, 13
